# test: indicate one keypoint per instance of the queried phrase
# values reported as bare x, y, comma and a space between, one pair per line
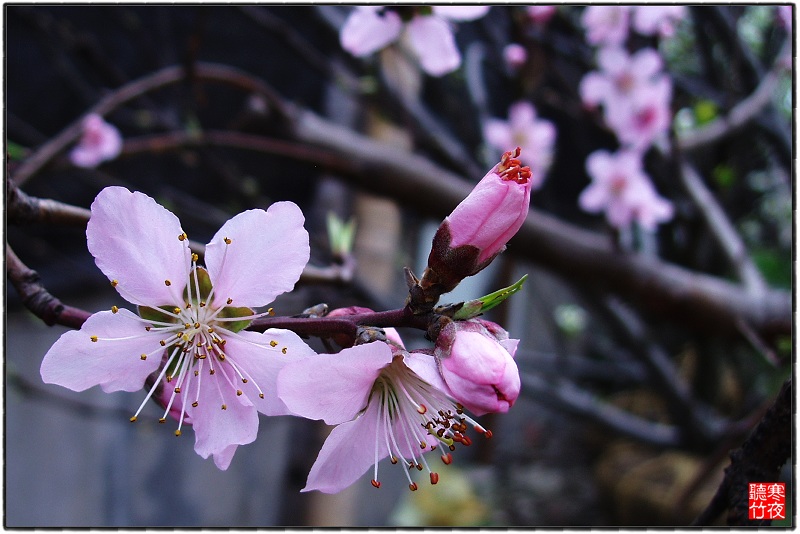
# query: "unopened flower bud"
475, 232
477, 364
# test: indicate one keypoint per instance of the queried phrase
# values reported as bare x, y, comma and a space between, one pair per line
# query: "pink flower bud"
479, 227
477, 364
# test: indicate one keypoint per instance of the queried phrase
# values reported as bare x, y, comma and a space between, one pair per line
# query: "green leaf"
16, 152
160, 314
705, 111
473, 308
232, 312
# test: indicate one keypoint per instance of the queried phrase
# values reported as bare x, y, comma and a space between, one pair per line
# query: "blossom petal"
134, 241
217, 429
343, 392
460, 13
260, 362
347, 453
432, 41
114, 361
366, 31
266, 255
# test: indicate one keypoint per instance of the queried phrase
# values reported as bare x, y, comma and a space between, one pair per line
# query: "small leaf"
232, 312
473, 308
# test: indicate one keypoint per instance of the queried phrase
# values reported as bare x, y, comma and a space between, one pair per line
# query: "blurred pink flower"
606, 24
622, 189
213, 374
541, 14
477, 365
429, 36
785, 15
657, 20
385, 402
644, 116
99, 142
515, 56
523, 129
620, 75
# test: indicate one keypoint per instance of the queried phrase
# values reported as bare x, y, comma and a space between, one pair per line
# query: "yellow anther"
187, 326
283, 350
244, 381
271, 312
197, 325
162, 420
188, 305
176, 311
167, 282
133, 419
210, 330
224, 407
147, 328
194, 404
196, 373
211, 371
229, 301
114, 309
273, 343
143, 356
261, 395
195, 257
114, 283
202, 304
94, 339
183, 237
222, 357
238, 392
178, 390
227, 241
177, 433
169, 379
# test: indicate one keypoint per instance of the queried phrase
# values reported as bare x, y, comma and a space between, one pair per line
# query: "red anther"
419, 467
447, 458
422, 409
488, 434
413, 486
479, 429
393, 460
466, 441
452, 447
375, 483
434, 478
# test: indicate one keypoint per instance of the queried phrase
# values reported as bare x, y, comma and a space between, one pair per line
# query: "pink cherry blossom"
621, 188
99, 142
541, 14
515, 56
606, 24
477, 365
523, 129
428, 35
368, 29
620, 76
385, 402
657, 20
188, 336
643, 117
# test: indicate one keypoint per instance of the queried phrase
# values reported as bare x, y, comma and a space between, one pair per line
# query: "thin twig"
721, 227
24, 209
36, 298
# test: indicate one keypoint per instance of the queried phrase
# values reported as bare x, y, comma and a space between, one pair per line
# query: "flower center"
415, 417
510, 167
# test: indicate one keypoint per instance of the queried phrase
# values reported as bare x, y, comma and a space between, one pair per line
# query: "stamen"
114, 309
114, 283
167, 283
